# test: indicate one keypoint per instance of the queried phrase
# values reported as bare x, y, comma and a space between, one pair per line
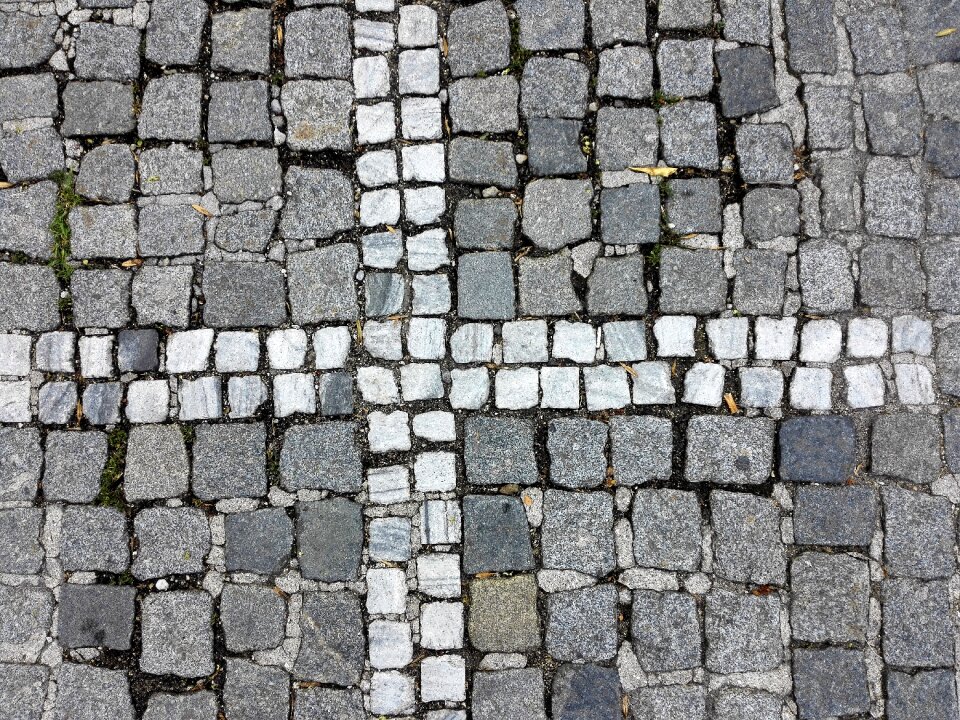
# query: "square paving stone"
760, 282
157, 465
250, 231
835, 516
641, 449
907, 447
941, 137
942, 263
626, 72
744, 704
626, 137
630, 215
830, 682
169, 230
891, 275
746, 81
25, 217
830, 598
502, 615
686, 68
26, 613
616, 21
670, 702
161, 295
103, 231
87, 693
479, 39
333, 648
557, 212
577, 532
667, 531
480, 105
811, 36
246, 174
259, 541
31, 154
582, 624
551, 24
244, 294
481, 162
554, 88
747, 544
200, 705
893, 200
919, 532
177, 634
693, 206
20, 550
23, 688
666, 631
553, 146
685, 14
485, 288
930, 695
951, 439
102, 107
545, 285
729, 450
692, 281
96, 616
174, 30
101, 298
255, 692
577, 450
321, 456
496, 537
171, 170
617, 286
917, 626
829, 117
26, 40
317, 43
239, 111
171, 541
765, 153
94, 538
769, 213
107, 52
825, 278
742, 631
171, 107
229, 461
241, 41
74, 462
488, 224
892, 111
688, 134
514, 694
137, 350
582, 692
820, 449
318, 114
329, 539
29, 297
253, 617
877, 40
322, 284
499, 451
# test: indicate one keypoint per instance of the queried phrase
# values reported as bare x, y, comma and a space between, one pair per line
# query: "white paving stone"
810, 388
775, 338
421, 381
674, 335
472, 343
237, 351
188, 351
914, 384
293, 393
728, 338
287, 349
435, 426
148, 401
625, 341
912, 334
517, 388
14, 355
388, 485
441, 625
821, 341
371, 77
378, 385
574, 341
426, 338
388, 431
652, 383
469, 388
865, 386
524, 341
246, 393
703, 384
96, 356
867, 338
606, 387
761, 387
560, 387
200, 399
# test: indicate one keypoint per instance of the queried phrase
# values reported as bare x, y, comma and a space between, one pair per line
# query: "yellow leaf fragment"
4, 185
359, 333
135, 262
527, 500
731, 403
630, 370
279, 34
655, 171
946, 31
202, 210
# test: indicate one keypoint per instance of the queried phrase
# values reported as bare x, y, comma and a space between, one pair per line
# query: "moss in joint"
67, 199
111, 479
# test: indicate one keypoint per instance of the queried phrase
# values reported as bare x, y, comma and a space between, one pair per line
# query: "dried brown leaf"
654, 171
946, 31
731, 403
202, 210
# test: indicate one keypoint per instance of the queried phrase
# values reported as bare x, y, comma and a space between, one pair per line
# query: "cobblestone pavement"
376, 359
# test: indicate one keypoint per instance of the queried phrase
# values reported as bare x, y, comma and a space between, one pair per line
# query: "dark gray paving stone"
503, 614
922, 20
729, 450
906, 446
626, 72
667, 531
692, 281
917, 626
891, 108
747, 543
496, 537
919, 532
641, 449
811, 36
488, 224
557, 212
26, 40
942, 137
482, 162
329, 539
747, 83
769, 213
545, 285
317, 43
94, 538
688, 135
255, 692
554, 88
101, 298
760, 283
893, 199
319, 204
29, 296
745, 704
693, 206
161, 295
245, 294
239, 111
553, 147
765, 153
499, 451
479, 105
22, 690
830, 682
229, 461
742, 631
171, 541
174, 30
156, 465
670, 702
169, 170
930, 695
834, 516
171, 108
258, 541
877, 40
25, 216
96, 616
479, 39
686, 67
577, 532
332, 649
137, 350
577, 449
87, 693
57, 403
318, 114
322, 285
28, 96
107, 52
241, 41
821, 449
585, 692
515, 694
107, 174
169, 230
830, 598
336, 394
200, 705
626, 137
617, 286
253, 617
177, 634
582, 624
551, 24
101, 107
74, 462
485, 286
385, 294
666, 631
319, 703
630, 215
31, 155
20, 550
321, 456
